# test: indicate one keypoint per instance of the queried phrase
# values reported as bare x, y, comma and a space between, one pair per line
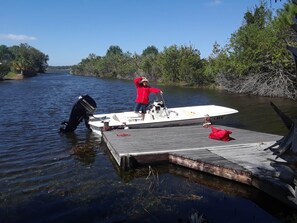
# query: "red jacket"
143, 92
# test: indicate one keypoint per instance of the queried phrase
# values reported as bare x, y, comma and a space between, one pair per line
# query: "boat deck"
243, 159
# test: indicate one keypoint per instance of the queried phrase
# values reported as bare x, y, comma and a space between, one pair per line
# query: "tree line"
22, 59
254, 61
176, 64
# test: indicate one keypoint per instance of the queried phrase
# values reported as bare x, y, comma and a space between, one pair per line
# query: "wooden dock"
243, 159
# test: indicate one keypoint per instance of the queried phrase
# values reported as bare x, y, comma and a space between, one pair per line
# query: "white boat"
159, 116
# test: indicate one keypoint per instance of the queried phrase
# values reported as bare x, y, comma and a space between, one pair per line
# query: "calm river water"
50, 177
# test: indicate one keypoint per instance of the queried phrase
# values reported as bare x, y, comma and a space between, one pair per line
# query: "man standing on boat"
143, 93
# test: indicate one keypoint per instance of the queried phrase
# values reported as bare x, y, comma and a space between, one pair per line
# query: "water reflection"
83, 147
197, 185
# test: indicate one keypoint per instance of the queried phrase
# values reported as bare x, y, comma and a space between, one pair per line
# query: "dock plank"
243, 159
173, 138
165, 140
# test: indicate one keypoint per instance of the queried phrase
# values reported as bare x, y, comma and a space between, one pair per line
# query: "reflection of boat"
160, 116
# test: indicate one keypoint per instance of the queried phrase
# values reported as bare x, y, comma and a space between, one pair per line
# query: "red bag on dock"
220, 134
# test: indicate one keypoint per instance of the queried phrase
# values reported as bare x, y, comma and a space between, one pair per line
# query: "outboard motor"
82, 109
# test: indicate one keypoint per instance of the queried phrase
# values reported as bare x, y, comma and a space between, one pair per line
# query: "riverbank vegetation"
254, 61
21, 60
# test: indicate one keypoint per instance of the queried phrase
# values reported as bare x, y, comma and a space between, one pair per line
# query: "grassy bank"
13, 76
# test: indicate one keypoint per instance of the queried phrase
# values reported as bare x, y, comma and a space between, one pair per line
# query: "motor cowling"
81, 110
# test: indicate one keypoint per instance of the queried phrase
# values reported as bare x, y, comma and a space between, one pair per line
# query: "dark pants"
140, 107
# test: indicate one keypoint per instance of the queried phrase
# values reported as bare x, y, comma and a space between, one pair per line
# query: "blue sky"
69, 30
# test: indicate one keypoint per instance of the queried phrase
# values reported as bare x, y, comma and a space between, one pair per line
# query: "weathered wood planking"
164, 140
243, 159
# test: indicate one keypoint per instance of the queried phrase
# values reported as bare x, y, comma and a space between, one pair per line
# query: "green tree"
149, 63
114, 50
150, 50
257, 61
5, 60
168, 61
252, 45
285, 35
190, 66
181, 65
5, 54
217, 62
28, 59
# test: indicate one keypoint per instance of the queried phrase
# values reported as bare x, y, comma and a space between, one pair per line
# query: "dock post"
125, 163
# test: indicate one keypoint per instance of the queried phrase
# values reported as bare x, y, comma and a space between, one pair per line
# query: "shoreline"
15, 77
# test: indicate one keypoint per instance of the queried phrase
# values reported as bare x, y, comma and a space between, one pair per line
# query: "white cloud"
215, 2
16, 37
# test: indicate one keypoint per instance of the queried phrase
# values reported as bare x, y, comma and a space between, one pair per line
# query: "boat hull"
160, 117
